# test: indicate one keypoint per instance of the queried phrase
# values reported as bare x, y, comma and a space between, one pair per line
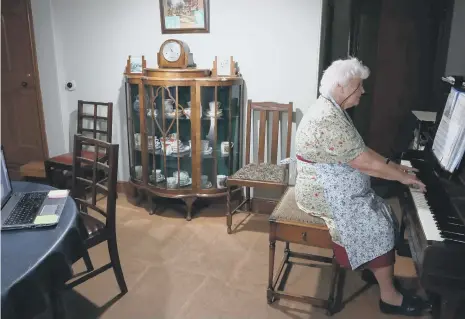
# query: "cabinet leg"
189, 202
228, 211
139, 196
153, 207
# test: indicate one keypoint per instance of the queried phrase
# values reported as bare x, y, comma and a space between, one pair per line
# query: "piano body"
434, 223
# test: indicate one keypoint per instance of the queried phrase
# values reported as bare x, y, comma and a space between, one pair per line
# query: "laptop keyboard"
26, 209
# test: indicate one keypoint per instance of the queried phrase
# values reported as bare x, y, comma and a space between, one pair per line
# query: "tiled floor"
180, 269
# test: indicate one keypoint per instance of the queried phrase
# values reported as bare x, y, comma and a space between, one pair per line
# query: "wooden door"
405, 68
23, 130
404, 43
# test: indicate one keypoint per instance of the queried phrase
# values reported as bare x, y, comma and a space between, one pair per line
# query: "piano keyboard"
428, 223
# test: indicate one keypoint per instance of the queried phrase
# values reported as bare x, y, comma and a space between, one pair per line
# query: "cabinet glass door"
168, 129
133, 115
219, 134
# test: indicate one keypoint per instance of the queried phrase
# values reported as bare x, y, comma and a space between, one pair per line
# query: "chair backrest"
95, 119
266, 109
83, 164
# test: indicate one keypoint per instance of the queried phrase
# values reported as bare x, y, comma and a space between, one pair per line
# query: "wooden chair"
100, 128
97, 231
291, 225
261, 174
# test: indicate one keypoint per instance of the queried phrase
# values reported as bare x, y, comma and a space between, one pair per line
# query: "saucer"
208, 151
212, 114
207, 185
182, 149
161, 178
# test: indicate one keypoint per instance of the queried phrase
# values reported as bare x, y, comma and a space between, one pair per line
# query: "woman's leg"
389, 294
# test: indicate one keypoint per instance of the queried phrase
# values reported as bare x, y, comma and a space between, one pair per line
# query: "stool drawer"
303, 235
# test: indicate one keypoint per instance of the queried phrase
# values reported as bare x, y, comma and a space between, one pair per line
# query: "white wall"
276, 43
456, 54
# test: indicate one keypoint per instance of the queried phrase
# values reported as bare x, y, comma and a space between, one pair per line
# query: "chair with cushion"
101, 228
289, 224
262, 174
94, 119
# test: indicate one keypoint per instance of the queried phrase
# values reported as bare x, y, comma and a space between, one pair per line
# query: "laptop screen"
5, 181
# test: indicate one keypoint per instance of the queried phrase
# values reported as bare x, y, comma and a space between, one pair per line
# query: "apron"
367, 227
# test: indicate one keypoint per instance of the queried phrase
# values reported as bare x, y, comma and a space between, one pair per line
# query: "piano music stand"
423, 118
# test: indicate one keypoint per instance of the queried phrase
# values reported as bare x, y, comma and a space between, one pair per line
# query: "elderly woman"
333, 182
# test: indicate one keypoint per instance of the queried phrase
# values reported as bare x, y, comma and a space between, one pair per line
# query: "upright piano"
434, 223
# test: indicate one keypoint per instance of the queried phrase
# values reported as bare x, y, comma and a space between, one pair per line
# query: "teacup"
212, 106
171, 182
225, 147
168, 103
205, 144
151, 144
204, 179
137, 139
183, 175
221, 181
138, 171
150, 112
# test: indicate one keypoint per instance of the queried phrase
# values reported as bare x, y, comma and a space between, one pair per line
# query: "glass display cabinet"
184, 130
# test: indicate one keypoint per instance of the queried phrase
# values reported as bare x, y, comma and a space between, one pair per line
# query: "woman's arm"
373, 164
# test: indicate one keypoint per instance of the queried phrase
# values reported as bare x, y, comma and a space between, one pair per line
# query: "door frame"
40, 107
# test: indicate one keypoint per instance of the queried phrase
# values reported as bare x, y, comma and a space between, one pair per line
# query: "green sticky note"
46, 219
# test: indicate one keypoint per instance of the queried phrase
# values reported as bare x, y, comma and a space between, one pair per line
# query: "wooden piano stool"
291, 225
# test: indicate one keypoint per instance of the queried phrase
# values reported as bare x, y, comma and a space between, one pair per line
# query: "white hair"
340, 72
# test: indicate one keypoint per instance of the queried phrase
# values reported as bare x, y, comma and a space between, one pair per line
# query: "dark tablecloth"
35, 261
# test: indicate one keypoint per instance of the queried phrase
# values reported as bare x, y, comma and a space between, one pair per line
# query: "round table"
34, 262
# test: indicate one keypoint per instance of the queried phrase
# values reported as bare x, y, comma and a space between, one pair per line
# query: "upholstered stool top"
287, 210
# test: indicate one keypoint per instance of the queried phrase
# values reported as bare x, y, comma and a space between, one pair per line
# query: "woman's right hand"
413, 181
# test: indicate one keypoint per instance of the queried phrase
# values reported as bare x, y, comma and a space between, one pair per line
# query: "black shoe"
411, 307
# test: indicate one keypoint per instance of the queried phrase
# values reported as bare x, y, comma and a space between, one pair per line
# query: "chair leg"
269, 293
337, 289
57, 304
87, 261
228, 210
115, 262
247, 196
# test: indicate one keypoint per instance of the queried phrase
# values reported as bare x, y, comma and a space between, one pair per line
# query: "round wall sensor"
71, 85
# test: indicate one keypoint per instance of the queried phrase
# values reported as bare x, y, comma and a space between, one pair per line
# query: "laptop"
23, 210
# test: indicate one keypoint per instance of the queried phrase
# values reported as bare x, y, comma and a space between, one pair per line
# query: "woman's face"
352, 92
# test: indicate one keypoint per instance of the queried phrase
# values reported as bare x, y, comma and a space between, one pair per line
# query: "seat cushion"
287, 210
92, 225
67, 159
263, 172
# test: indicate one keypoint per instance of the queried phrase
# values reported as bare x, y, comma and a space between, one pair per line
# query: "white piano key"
428, 223
425, 215
406, 163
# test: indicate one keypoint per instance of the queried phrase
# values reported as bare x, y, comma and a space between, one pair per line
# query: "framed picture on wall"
184, 16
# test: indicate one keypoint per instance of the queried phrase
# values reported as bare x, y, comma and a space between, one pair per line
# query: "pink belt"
300, 158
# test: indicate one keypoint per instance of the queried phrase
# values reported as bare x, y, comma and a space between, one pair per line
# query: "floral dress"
329, 188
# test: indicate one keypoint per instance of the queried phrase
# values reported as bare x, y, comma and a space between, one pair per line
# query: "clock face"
172, 51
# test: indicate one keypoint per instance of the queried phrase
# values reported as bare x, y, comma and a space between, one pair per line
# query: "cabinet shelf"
189, 154
204, 118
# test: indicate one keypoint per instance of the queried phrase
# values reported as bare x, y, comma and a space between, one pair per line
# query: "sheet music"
449, 143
